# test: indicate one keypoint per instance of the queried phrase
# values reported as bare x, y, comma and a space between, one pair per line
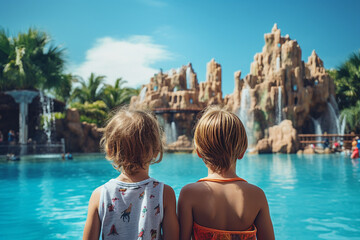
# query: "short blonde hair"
132, 139
220, 138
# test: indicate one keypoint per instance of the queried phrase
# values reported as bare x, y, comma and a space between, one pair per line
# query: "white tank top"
131, 210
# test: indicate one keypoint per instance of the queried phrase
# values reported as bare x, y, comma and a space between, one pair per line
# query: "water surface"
310, 196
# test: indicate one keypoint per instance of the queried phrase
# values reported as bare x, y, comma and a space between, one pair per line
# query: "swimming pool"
310, 196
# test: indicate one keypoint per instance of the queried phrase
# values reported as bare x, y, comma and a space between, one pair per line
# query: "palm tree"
116, 95
26, 62
347, 81
352, 115
89, 91
63, 91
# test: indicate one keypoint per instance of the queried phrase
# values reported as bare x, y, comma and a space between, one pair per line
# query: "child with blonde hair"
134, 205
222, 205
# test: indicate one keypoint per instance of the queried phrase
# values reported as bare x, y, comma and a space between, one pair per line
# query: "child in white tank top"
132, 206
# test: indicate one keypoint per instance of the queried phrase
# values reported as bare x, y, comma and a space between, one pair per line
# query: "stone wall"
79, 136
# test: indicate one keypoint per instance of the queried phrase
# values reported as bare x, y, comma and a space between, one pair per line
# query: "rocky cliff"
281, 86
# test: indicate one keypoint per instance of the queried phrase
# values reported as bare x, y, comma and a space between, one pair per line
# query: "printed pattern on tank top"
131, 210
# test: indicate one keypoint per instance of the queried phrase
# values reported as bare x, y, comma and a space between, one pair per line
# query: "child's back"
222, 205
131, 209
132, 206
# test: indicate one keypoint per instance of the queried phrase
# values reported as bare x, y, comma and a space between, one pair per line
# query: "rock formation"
183, 144
176, 97
79, 136
282, 139
281, 86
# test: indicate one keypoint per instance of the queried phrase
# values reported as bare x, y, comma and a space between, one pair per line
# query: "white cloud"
129, 58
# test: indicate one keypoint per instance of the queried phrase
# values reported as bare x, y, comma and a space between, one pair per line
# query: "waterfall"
173, 131
47, 105
142, 94
334, 120
277, 63
279, 107
188, 78
343, 125
318, 130
244, 115
170, 132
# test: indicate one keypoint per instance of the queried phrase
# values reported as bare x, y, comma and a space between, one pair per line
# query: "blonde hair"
132, 139
220, 138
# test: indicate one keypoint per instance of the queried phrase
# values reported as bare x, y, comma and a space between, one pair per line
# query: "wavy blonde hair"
132, 139
220, 138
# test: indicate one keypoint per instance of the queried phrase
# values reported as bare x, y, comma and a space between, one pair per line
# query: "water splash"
170, 132
47, 105
343, 125
334, 120
142, 94
318, 130
279, 107
245, 116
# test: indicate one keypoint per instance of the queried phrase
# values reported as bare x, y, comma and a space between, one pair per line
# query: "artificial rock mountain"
280, 86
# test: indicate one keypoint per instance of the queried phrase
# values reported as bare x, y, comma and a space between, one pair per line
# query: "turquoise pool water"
310, 197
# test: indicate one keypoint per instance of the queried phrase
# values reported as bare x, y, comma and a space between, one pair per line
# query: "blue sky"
134, 39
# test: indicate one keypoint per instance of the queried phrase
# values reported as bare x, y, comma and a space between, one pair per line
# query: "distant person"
1, 137
326, 143
11, 137
353, 143
336, 147
355, 153
69, 156
222, 205
357, 142
134, 205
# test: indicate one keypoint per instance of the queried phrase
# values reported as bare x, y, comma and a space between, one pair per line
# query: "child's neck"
230, 173
139, 176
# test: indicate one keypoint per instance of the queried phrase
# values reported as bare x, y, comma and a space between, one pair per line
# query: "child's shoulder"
192, 189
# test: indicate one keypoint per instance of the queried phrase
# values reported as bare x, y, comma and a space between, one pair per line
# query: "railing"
177, 110
345, 139
32, 148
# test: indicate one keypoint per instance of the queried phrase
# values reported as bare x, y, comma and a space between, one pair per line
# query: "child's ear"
198, 153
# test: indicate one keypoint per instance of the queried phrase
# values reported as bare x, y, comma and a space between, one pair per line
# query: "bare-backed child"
133, 205
222, 205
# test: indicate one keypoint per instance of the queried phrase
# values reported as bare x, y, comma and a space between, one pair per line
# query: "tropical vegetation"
347, 81
30, 61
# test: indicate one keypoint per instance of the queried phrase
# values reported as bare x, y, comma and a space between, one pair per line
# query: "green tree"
89, 91
29, 62
347, 81
95, 112
352, 115
115, 96
63, 92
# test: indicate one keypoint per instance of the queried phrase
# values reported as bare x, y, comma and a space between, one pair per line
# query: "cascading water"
47, 105
317, 127
279, 107
244, 115
173, 131
142, 94
343, 125
277, 63
188, 78
170, 132
334, 120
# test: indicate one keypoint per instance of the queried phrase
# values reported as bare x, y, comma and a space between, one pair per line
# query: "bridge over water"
346, 139
177, 110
